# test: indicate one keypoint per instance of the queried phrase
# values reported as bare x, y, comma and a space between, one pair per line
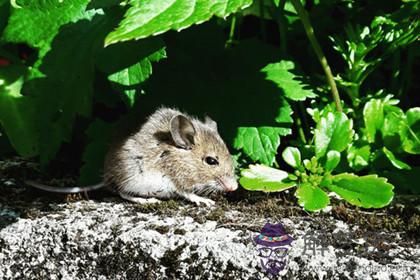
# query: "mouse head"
207, 161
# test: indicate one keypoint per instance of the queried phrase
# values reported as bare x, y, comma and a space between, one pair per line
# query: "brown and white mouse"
172, 154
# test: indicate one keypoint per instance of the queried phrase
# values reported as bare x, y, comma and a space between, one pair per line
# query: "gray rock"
116, 240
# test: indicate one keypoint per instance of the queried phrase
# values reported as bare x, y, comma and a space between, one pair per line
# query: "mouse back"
187, 151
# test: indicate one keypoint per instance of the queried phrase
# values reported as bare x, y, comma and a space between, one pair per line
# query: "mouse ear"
182, 131
211, 123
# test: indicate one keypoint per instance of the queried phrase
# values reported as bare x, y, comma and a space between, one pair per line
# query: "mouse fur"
172, 154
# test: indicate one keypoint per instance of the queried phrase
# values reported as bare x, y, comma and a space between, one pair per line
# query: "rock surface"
112, 239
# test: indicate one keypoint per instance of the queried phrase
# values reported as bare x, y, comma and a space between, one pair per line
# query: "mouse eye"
211, 161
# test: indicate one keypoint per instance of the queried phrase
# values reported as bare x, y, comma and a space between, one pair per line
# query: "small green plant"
373, 136
314, 177
386, 133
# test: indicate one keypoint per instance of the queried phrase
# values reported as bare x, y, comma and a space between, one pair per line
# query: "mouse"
171, 155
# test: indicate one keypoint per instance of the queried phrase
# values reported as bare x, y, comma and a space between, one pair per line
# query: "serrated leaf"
151, 17
260, 143
99, 134
285, 112
394, 161
373, 115
333, 132
135, 75
17, 113
37, 22
138, 72
264, 178
129, 97
364, 191
280, 74
332, 160
410, 131
311, 198
291, 156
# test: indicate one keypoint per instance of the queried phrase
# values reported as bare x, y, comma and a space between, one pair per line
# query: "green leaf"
365, 191
260, 143
280, 74
393, 119
264, 178
395, 162
37, 22
311, 198
129, 64
132, 75
65, 89
129, 97
17, 113
100, 135
373, 115
358, 156
333, 159
413, 116
285, 112
151, 17
136, 73
410, 131
292, 157
333, 132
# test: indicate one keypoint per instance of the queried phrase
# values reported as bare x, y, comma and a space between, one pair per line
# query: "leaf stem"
232, 31
281, 22
300, 130
318, 51
232, 28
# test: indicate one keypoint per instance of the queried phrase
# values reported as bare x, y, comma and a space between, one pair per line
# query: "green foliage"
73, 71
311, 198
150, 17
388, 131
365, 191
37, 22
333, 133
410, 131
314, 179
55, 87
260, 143
264, 178
16, 112
366, 48
280, 74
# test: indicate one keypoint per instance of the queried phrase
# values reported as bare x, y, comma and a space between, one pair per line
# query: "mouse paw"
206, 201
197, 199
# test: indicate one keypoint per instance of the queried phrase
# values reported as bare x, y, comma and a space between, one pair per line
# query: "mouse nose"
230, 184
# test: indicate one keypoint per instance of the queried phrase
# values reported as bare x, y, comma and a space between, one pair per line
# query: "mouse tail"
64, 189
